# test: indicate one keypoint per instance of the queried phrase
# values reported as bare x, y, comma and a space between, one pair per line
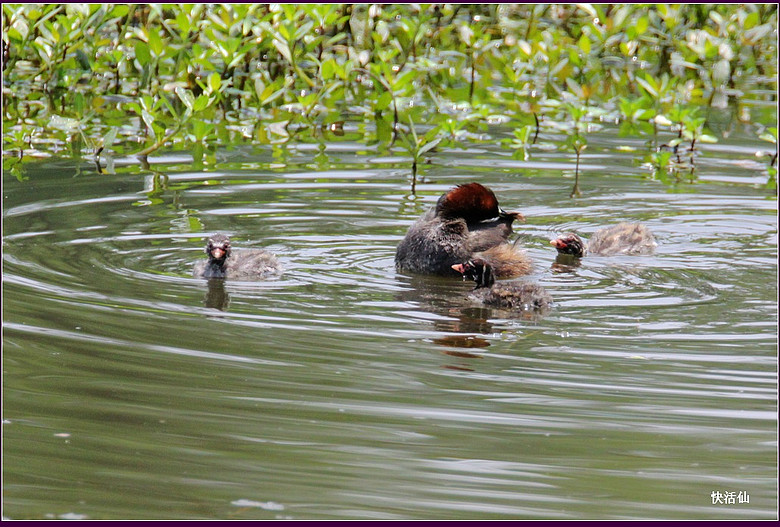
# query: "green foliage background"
133, 78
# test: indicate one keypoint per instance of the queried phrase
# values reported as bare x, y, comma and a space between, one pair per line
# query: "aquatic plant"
115, 80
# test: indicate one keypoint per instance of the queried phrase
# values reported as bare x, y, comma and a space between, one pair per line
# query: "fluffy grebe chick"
623, 238
223, 262
503, 295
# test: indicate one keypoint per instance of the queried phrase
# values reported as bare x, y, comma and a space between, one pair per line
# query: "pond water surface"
344, 390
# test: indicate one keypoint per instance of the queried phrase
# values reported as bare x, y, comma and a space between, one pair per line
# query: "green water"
344, 390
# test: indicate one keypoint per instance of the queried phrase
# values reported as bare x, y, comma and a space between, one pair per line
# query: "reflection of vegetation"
131, 79
771, 136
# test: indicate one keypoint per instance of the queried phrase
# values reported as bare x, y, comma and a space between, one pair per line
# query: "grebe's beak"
514, 215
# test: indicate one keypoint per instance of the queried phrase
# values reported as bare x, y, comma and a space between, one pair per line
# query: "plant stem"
160, 143
414, 175
536, 134
473, 71
576, 190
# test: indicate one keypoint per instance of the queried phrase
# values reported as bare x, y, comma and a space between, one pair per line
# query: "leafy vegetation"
116, 80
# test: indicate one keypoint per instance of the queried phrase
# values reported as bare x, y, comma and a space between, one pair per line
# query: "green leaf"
156, 44
214, 82
119, 11
149, 120
183, 23
286, 32
525, 47
282, 47
142, 53
274, 95
15, 36
335, 39
110, 137
588, 9
186, 97
20, 28
751, 20
649, 88
755, 34
523, 133
303, 30
383, 101
328, 69
431, 134
584, 44
83, 60
641, 25
200, 129
201, 103
429, 146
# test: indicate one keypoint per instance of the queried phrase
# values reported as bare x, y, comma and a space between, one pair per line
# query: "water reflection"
216, 296
446, 299
566, 263
462, 341
459, 316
